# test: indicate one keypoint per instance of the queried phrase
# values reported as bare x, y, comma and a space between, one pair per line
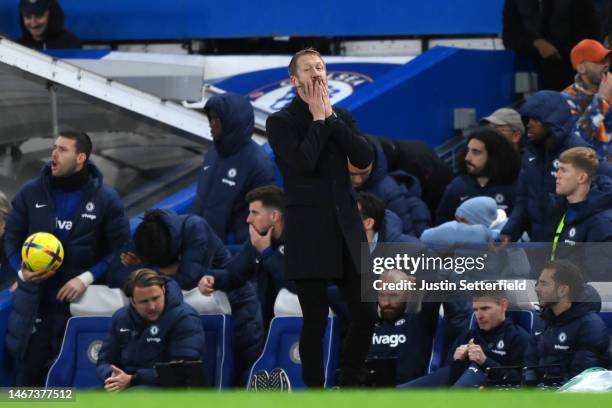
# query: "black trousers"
44, 345
312, 294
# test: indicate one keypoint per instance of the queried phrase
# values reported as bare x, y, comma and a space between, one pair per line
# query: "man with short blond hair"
582, 213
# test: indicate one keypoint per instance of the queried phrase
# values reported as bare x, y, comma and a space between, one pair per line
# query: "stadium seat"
438, 351
605, 291
76, 363
282, 343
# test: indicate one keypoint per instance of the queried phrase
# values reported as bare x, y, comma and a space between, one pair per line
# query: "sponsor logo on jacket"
392, 340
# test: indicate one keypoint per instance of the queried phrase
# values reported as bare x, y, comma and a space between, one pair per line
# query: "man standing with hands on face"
323, 228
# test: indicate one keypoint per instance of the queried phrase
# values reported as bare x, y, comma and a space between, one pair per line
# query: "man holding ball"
70, 201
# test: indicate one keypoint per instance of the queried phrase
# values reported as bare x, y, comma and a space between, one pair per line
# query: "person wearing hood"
185, 248
489, 167
156, 327
233, 166
403, 199
70, 201
583, 214
573, 335
472, 223
549, 134
42, 26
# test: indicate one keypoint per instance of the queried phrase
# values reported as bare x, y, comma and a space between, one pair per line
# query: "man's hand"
34, 277
129, 259
476, 354
605, 86
461, 352
313, 96
118, 380
170, 270
260, 242
326, 101
71, 291
207, 285
546, 49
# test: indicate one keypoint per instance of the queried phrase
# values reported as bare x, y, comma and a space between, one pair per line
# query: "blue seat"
281, 350
438, 351
76, 363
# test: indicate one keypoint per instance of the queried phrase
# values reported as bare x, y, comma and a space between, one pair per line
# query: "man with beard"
156, 327
573, 335
69, 200
397, 344
262, 257
323, 230
42, 24
589, 96
489, 167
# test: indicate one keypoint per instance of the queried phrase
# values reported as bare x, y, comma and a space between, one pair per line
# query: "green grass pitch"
332, 399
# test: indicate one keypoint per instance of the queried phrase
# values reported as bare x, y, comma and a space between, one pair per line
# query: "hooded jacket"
135, 345
55, 36
232, 167
577, 339
403, 198
535, 190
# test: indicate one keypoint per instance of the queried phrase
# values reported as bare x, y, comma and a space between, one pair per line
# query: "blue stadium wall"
115, 20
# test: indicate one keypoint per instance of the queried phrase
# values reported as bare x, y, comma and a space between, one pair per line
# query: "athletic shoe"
279, 380
260, 381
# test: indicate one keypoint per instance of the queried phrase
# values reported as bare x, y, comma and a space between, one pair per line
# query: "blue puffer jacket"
266, 270
577, 339
232, 167
135, 344
201, 253
535, 190
391, 230
464, 187
503, 345
400, 340
587, 222
99, 228
403, 198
